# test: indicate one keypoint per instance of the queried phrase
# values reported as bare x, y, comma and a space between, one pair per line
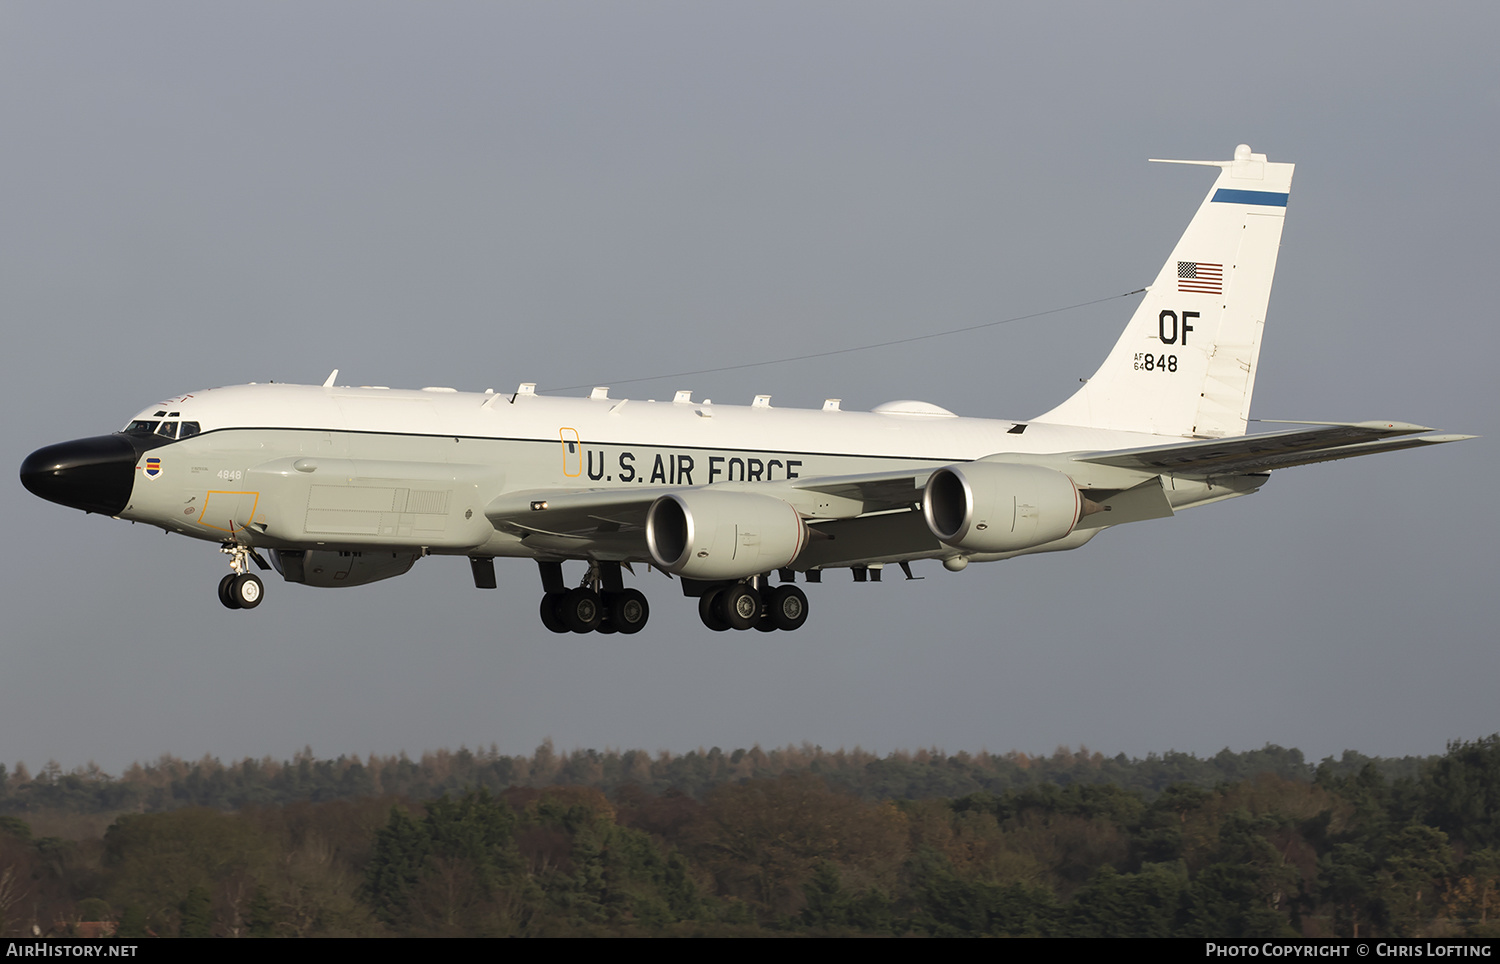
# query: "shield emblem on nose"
153, 468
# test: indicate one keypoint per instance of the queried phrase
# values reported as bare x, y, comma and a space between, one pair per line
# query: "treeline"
1344, 852
170, 782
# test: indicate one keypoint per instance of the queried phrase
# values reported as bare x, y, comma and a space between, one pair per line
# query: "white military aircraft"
345, 486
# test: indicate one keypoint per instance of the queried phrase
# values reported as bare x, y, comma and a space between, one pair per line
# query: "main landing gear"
753, 604
241, 589
601, 604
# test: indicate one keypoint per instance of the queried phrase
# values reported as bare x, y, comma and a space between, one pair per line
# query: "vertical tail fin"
1186, 362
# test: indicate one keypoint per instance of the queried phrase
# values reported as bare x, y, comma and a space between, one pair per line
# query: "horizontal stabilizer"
1249, 454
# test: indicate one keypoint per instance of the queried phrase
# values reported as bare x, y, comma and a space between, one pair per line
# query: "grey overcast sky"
480, 194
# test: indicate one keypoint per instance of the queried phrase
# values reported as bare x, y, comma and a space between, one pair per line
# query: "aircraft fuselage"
295, 466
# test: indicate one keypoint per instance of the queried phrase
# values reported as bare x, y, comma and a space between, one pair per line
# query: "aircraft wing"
580, 512
1250, 454
610, 523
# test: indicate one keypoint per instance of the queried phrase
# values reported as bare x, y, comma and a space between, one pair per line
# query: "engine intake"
703, 534
999, 506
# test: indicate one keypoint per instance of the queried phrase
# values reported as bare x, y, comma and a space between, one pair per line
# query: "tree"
1246, 888
953, 906
196, 918
830, 907
764, 838
1463, 792
1147, 904
1416, 867
157, 860
396, 866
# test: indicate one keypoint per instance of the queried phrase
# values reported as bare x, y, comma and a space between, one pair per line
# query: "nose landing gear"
241, 589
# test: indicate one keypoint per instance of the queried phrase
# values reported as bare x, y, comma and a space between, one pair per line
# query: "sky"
577, 194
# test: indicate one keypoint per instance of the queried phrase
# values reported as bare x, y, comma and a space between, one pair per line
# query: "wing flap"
1145, 501
865, 493
572, 512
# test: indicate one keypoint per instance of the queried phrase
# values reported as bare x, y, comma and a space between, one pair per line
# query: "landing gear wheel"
787, 607
708, 611
247, 590
226, 595
581, 610
765, 624
628, 610
740, 606
551, 615
606, 627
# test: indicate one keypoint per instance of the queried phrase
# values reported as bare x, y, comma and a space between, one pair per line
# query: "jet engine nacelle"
703, 534
326, 568
1000, 506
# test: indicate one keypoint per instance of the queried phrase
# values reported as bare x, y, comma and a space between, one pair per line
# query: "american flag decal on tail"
1200, 277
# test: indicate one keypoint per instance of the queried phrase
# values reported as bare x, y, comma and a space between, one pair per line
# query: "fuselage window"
167, 430
188, 430
141, 427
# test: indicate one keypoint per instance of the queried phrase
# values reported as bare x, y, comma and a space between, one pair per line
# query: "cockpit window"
165, 429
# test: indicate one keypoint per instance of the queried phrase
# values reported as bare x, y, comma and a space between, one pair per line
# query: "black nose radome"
92, 474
